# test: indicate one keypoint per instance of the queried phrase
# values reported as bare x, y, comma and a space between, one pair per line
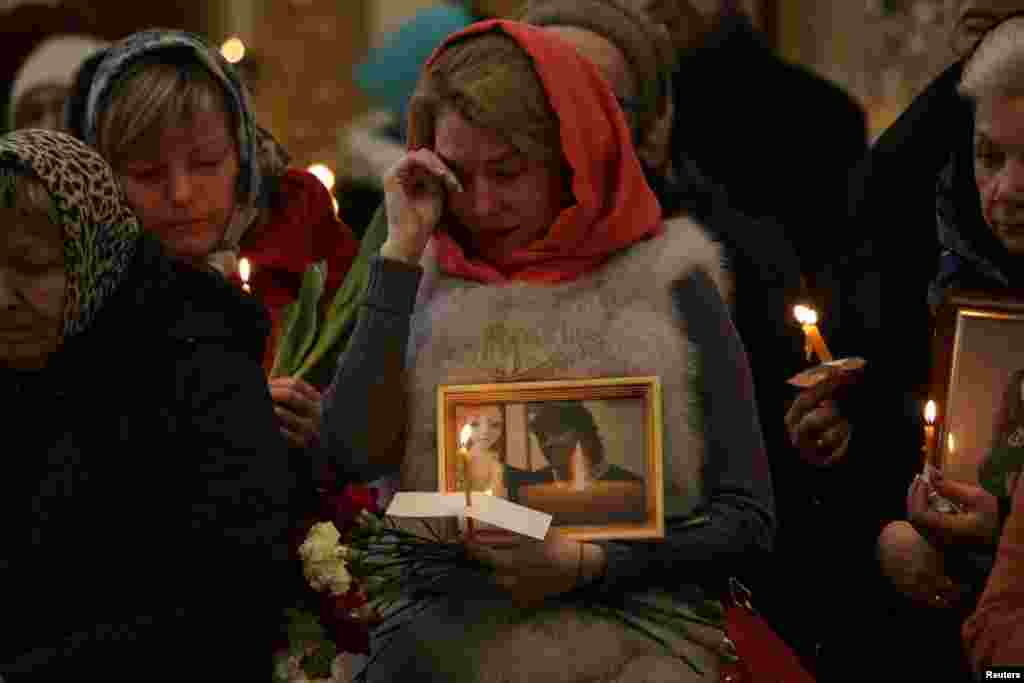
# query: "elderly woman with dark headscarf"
546, 258
174, 120
946, 170
135, 365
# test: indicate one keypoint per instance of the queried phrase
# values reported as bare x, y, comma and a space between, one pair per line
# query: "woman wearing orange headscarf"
545, 257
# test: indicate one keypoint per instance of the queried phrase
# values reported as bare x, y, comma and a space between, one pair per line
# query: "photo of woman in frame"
1001, 467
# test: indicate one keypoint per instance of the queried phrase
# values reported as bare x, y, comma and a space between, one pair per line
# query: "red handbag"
764, 657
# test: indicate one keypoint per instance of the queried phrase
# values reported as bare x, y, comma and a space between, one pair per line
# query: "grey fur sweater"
655, 309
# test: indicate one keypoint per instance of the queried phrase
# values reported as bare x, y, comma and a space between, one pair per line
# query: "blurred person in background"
43, 83
743, 110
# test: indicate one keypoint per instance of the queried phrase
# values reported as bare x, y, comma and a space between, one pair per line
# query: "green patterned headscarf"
101, 233
261, 159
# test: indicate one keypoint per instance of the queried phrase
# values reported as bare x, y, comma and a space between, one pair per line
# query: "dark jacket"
743, 114
145, 505
883, 314
765, 272
766, 275
882, 310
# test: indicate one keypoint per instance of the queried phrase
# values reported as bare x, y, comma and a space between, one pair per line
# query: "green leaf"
318, 663
710, 609
303, 628
341, 317
299, 326
636, 623
281, 668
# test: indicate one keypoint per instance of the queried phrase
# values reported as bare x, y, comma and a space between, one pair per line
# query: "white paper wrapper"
486, 508
812, 376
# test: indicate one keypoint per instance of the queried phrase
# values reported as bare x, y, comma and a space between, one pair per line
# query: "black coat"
882, 313
881, 307
780, 139
766, 275
145, 492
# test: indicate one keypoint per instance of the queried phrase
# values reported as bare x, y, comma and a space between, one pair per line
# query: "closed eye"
144, 174
508, 173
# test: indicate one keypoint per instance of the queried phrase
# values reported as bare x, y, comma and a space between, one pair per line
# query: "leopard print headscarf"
101, 233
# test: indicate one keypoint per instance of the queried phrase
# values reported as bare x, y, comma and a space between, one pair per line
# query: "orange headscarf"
614, 206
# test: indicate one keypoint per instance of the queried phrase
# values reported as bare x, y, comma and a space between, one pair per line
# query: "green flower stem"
300, 324
635, 624
679, 614
699, 520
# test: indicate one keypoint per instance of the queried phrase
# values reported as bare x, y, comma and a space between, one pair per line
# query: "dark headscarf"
101, 233
971, 255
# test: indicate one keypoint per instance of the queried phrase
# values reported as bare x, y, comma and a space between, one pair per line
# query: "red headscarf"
614, 206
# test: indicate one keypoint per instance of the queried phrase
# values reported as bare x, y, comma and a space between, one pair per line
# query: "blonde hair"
491, 82
157, 92
996, 69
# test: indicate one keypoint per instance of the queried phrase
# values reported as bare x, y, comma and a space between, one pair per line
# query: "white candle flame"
929, 412
805, 315
465, 435
324, 174
244, 270
579, 480
233, 49
951, 442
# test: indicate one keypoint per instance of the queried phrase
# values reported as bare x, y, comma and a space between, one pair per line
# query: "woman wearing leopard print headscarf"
145, 507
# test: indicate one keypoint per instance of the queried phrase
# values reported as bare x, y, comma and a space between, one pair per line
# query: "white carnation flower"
328, 575
321, 543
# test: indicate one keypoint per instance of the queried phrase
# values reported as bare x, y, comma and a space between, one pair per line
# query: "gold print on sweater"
512, 353
520, 353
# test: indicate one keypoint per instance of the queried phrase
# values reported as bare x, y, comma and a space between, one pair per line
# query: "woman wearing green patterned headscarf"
175, 121
146, 501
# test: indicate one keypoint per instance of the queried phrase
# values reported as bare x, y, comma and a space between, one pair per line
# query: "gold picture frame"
567, 448
978, 337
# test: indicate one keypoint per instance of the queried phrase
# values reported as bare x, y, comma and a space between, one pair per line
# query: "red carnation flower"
344, 508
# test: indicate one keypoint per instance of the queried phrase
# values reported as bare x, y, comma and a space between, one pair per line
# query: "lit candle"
464, 457
813, 342
233, 50
244, 270
951, 444
579, 474
929, 430
324, 174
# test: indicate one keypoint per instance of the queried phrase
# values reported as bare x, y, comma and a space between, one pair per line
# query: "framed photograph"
587, 452
978, 381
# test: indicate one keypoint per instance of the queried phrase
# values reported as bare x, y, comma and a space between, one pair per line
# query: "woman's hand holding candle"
815, 424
